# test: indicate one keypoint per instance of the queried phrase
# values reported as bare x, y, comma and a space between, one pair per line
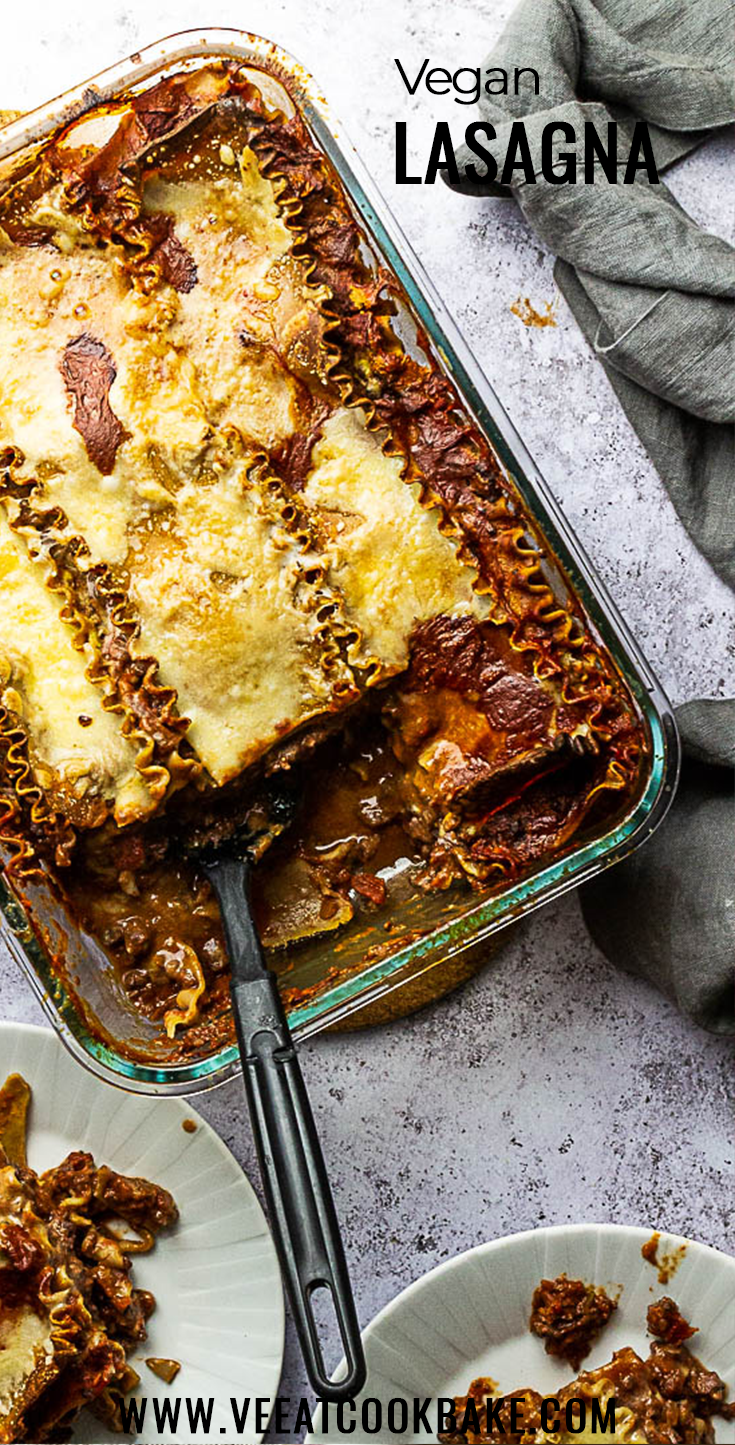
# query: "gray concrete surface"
549, 1089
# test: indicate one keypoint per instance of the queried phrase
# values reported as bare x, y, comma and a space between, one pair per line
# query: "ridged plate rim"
469, 1315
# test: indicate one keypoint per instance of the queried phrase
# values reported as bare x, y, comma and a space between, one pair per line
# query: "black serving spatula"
295, 1181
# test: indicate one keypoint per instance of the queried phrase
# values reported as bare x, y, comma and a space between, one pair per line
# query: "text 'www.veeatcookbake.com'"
250, 1416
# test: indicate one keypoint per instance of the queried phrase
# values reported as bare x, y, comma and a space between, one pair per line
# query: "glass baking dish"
334, 979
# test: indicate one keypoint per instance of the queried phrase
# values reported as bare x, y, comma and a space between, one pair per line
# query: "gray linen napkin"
651, 290
652, 294
667, 912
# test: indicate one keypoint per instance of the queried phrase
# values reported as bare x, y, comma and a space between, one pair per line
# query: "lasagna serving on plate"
244, 528
69, 1311
670, 1398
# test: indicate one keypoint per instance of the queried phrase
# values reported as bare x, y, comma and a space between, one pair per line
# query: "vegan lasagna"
245, 529
669, 1398
69, 1311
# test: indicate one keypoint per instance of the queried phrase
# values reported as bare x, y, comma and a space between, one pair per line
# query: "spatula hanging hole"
329, 1340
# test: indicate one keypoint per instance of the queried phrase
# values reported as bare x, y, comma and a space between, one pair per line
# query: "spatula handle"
297, 1191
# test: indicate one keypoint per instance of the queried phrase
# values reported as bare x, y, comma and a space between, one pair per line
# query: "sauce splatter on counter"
527, 313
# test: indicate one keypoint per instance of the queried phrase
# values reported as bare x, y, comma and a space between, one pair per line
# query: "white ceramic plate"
219, 1302
469, 1317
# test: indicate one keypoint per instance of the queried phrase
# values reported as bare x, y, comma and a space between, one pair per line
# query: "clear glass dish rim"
483, 919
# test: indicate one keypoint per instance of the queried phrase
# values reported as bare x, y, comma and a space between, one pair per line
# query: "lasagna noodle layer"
77, 748
251, 322
225, 605
385, 552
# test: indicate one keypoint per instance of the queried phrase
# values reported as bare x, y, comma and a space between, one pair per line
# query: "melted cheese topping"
217, 591
45, 682
386, 553
204, 379
232, 228
45, 301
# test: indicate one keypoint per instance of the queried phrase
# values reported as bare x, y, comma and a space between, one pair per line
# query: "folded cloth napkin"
668, 912
651, 291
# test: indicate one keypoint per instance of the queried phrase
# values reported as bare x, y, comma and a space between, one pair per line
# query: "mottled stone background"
550, 1089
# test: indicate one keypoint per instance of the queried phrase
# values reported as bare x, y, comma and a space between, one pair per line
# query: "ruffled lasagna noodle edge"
97, 613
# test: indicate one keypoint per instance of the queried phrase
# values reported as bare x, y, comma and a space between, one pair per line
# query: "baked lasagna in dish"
244, 529
669, 1398
69, 1311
